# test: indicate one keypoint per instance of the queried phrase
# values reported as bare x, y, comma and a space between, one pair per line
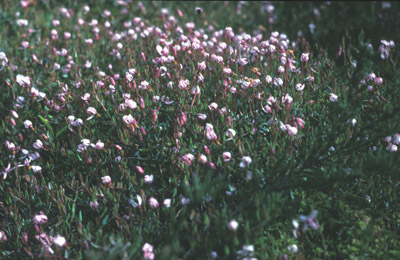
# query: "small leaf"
59, 132
47, 124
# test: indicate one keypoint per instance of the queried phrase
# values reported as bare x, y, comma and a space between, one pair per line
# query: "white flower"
59, 240
23, 81
293, 248
106, 179
38, 144
153, 203
167, 203
333, 97
36, 168
233, 225
148, 179
246, 160
299, 87
27, 124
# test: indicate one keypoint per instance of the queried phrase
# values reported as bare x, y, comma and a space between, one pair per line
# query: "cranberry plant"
155, 130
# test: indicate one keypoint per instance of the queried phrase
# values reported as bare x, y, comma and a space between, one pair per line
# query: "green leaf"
47, 124
59, 132
105, 220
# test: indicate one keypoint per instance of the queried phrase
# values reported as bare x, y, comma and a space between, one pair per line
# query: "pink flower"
267, 109
38, 144
203, 158
91, 111
392, 147
287, 100
227, 156
378, 80
206, 149
213, 106
202, 66
242, 61
304, 57
129, 120
271, 100
106, 179
210, 134
144, 85
25, 44
153, 203
85, 97
268, 79
40, 219
333, 97
140, 169
99, 145
28, 124
182, 119
202, 116
183, 83
227, 70
278, 82
131, 104
148, 251
292, 131
3, 236
188, 158
300, 122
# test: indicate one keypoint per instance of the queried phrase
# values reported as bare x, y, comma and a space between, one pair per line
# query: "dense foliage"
193, 130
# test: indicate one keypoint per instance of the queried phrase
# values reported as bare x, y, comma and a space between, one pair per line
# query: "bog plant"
144, 131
